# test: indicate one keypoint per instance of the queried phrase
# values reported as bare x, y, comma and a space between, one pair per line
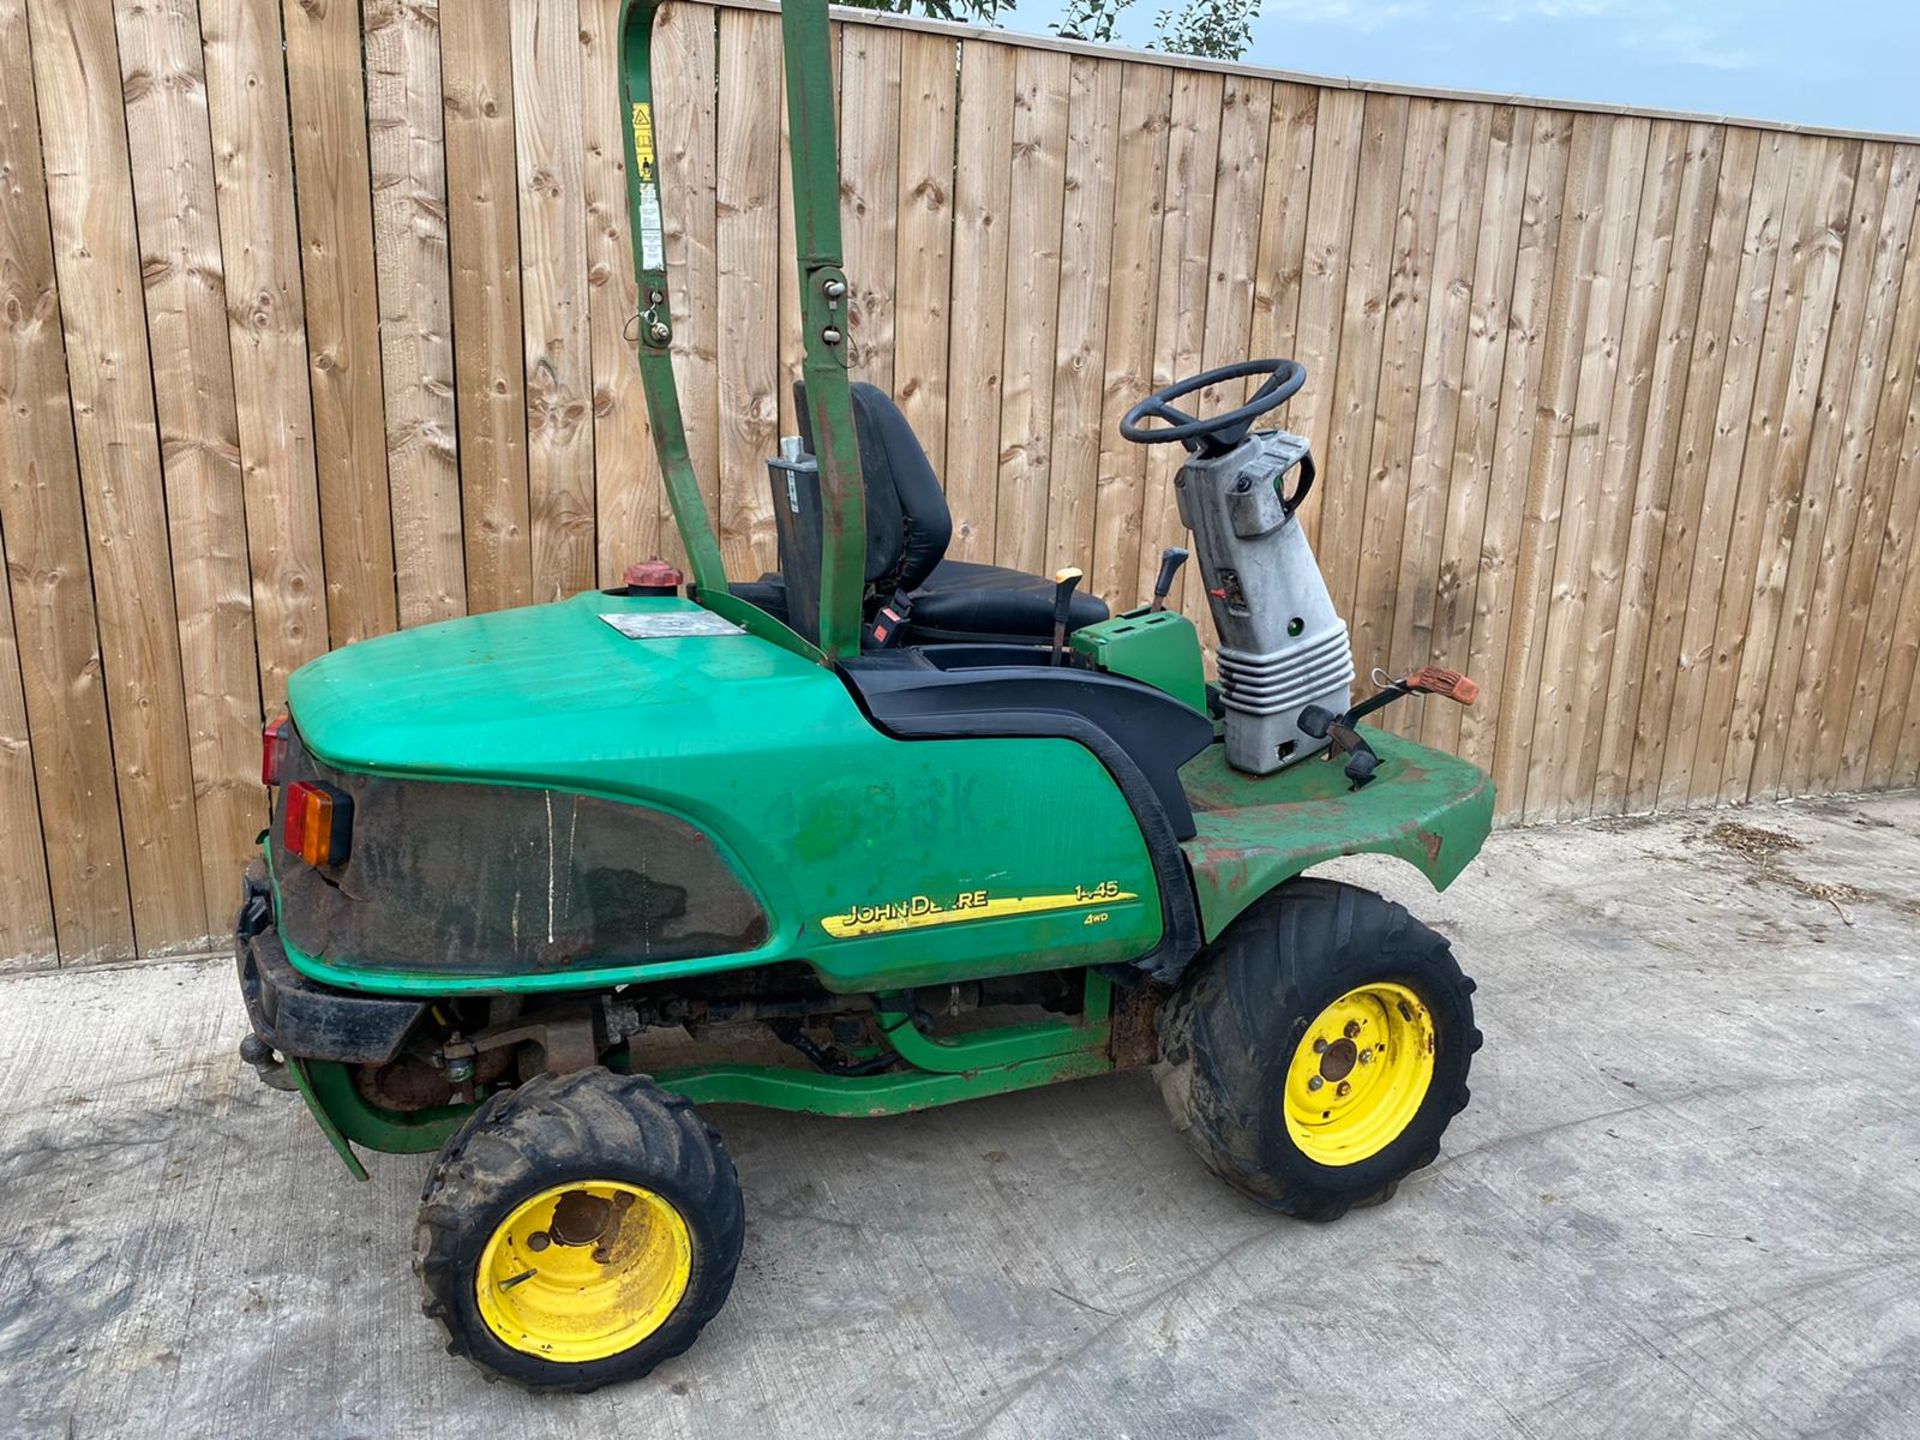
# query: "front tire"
1316, 1053
578, 1231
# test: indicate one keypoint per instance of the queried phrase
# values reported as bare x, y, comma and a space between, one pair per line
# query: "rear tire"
656, 1227
1249, 1029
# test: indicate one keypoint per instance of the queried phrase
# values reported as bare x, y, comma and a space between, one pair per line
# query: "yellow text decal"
919, 912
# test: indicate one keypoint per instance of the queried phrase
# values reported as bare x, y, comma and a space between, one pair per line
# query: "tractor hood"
549, 693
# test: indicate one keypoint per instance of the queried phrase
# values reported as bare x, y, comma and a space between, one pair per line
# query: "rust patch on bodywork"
1253, 832
1134, 1028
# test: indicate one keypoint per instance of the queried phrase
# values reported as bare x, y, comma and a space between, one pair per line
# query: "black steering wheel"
1218, 435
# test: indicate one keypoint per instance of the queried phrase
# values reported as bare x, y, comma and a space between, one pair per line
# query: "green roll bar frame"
807, 41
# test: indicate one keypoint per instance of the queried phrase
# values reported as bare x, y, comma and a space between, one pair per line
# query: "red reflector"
318, 826
273, 750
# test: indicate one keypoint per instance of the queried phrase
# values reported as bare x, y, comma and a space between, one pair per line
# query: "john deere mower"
879, 832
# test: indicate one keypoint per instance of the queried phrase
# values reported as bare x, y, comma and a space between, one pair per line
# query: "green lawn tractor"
879, 832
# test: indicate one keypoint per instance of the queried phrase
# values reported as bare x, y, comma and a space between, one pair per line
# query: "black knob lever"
1063, 583
1171, 559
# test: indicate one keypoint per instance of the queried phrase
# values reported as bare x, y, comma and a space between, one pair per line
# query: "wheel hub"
1337, 1062
1360, 1073
583, 1271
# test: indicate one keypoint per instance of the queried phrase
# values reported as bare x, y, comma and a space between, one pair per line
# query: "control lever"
1063, 583
1322, 724
1171, 559
1362, 760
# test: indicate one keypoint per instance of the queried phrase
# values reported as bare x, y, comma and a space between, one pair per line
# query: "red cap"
654, 574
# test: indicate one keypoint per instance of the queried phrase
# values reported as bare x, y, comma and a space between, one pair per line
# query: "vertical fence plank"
26, 903
982, 199
1280, 270
1412, 601
553, 287
1509, 142
1146, 111
327, 99
1667, 653
869, 191
186, 301
74, 838
1497, 583
1883, 561
1657, 499
1575, 268
1580, 537
1042, 81
1876, 738
1824, 509
627, 491
1639, 301
1759, 252
747, 195
483, 253
1356, 384
90, 198
405, 148
686, 133
1819, 191
1790, 497
1186, 243
266, 333
923, 267
1373, 568
1338, 133
1832, 680
1080, 341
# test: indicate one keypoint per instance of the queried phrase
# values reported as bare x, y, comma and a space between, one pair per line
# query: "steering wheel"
1218, 435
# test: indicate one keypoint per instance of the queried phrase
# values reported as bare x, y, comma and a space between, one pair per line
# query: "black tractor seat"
908, 530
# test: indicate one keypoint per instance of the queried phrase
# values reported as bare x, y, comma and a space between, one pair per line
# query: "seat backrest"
908, 523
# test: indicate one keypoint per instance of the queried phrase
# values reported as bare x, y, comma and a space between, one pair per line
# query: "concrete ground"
1684, 1201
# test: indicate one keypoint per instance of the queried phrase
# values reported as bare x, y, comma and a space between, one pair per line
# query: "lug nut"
1344, 1090
1319, 1047
1315, 1083
1366, 1057
1353, 1029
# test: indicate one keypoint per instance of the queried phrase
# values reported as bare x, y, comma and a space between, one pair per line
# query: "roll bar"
806, 42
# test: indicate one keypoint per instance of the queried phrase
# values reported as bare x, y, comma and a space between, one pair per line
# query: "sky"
1845, 63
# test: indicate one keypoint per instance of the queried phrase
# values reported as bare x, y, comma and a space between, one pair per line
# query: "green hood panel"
548, 693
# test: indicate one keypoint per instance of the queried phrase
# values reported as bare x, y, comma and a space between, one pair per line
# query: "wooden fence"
313, 326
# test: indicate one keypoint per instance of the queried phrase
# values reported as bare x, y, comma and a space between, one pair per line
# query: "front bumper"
298, 1017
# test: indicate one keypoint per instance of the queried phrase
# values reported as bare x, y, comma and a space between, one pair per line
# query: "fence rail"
314, 323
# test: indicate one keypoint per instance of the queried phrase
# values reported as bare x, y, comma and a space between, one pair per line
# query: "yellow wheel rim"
1359, 1074
584, 1271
